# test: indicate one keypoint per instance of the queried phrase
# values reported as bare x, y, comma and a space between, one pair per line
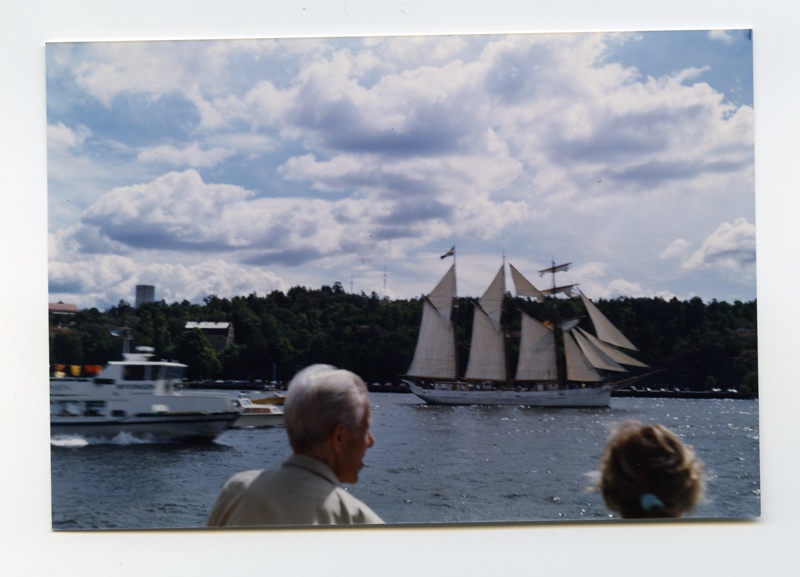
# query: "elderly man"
327, 418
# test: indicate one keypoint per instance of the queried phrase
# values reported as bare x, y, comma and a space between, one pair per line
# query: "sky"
232, 167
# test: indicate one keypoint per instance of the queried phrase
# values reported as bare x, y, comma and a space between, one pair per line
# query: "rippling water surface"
429, 465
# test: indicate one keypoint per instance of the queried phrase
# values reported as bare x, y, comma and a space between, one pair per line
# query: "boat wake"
72, 441
68, 441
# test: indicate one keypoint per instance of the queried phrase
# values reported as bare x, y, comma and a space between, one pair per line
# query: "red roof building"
61, 308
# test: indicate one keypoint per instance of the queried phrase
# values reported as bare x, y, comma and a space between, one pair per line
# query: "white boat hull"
254, 415
198, 427
258, 420
578, 397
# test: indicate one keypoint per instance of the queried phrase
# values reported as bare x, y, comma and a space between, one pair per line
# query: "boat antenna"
126, 334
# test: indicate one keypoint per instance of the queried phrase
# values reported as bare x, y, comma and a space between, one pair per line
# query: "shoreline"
685, 394
373, 388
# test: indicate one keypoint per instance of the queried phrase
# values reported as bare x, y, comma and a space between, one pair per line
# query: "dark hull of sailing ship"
560, 364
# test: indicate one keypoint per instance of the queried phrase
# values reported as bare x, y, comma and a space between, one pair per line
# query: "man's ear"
338, 436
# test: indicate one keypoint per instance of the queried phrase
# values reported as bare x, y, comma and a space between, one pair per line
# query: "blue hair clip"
650, 501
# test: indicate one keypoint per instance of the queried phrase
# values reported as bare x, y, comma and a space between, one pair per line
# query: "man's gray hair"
318, 398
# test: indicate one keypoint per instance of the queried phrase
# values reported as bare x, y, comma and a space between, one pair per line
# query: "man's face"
354, 446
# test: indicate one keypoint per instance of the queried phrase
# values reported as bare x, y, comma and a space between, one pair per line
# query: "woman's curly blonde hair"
646, 472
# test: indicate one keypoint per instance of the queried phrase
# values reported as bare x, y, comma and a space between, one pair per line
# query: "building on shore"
62, 308
220, 335
145, 293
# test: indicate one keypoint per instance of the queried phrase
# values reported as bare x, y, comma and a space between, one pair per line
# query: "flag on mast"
554, 268
450, 252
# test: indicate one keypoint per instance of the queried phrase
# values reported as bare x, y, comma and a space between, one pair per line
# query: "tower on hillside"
145, 294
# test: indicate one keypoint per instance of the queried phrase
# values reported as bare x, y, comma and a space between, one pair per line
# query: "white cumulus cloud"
732, 245
321, 155
676, 248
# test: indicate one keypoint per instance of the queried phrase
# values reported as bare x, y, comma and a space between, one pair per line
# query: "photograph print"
462, 279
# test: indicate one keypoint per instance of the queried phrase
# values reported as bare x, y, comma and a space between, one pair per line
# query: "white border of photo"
28, 546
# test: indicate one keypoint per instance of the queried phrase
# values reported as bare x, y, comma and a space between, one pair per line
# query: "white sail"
596, 356
492, 299
537, 357
606, 331
523, 286
568, 290
487, 353
540, 359
569, 325
616, 354
435, 355
579, 368
442, 296
487, 356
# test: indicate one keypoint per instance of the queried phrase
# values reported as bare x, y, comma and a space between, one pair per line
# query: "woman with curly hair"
646, 472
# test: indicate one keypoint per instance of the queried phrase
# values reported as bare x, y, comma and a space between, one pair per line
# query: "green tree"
194, 350
66, 348
698, 344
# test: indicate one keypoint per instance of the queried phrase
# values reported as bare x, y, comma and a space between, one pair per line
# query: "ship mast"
558, 333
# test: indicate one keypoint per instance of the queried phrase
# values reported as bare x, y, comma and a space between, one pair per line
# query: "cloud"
210, 277
175, 211
202, 73
622, 287
730, 245
180, 212
594, 283
676, 248
329, 154
98, 275
74, 177
190, 155
243, 142
367, 117
103, 280
61, 136
724, 36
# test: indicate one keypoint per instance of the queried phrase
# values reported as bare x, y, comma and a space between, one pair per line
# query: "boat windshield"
152, 372
173, 373
133, 373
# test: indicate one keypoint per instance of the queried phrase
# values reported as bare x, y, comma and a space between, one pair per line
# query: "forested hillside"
698, 345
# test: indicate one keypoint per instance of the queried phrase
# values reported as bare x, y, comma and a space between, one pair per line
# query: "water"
429, 465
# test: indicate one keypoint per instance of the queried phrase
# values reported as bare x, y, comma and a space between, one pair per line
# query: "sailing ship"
560, 363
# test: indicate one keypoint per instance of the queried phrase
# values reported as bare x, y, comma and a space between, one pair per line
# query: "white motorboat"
254, 415
274, 398
138, 396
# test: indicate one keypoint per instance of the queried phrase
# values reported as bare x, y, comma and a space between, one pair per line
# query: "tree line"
698, 345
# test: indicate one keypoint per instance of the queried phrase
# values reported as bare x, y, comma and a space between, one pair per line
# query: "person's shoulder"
244, 477
358, 511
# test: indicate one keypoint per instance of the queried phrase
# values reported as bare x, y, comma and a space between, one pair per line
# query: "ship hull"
189, 427
578, 397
